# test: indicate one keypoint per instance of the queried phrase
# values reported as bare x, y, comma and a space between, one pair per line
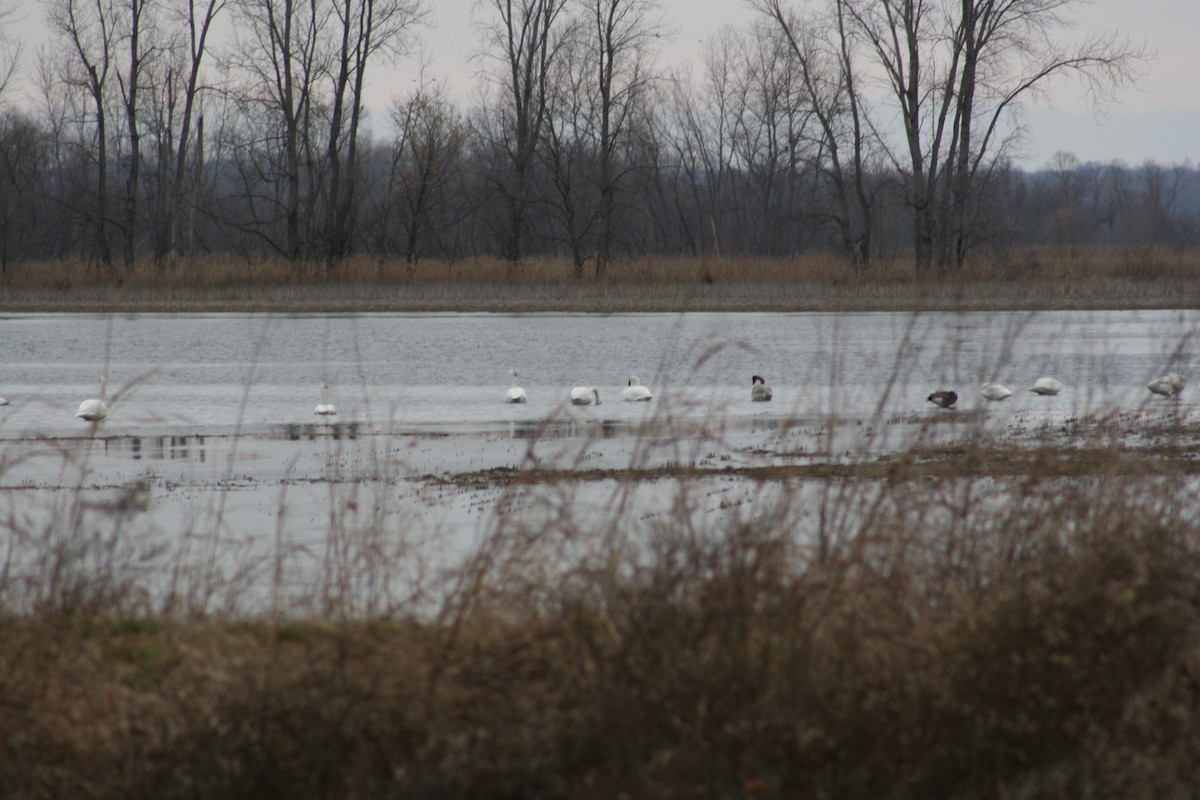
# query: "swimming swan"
635, 392
325, 408
582, 395
95, 409
759, 391
943, 398
1046, 386
994, 391
515, 393
1167, 385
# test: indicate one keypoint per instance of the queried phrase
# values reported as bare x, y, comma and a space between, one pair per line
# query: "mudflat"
592, 297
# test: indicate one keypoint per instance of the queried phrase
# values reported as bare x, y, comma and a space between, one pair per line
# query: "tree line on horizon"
861, 127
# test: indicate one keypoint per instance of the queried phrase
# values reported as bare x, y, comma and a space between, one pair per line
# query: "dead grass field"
975, 621
921, 641
1034, 279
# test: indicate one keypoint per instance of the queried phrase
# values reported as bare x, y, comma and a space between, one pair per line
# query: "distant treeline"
147, 145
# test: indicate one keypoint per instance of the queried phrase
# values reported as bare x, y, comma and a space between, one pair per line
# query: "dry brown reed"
1028, 279
1074, 264
916, 633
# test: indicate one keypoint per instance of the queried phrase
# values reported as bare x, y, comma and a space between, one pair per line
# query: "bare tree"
365, 30
565, 150
198, 19
622, 38
702, 133
24, 164
11, 47
429, 144
955, 70
277, 54
825, 53
523, 41
89, 30
136, 19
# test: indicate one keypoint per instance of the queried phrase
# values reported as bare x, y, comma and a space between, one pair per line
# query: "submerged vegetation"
958, 621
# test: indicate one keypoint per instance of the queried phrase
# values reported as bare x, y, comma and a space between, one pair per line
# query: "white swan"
994, 391
1167, 385
325, 408
759, 391
1046, 386
582, 395
96, 408
515, 393
3, 402
635, 391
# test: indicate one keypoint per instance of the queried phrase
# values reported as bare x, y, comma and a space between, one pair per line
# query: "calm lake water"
196, 372
212, 479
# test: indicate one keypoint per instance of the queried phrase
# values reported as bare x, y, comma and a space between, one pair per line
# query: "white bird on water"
759, 391
582, 395
1046, 386
994, 391
95, 409
3, 402
325, 408
515, 393
635, 392
1167, 385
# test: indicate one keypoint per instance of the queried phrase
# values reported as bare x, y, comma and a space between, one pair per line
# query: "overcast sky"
1159, 119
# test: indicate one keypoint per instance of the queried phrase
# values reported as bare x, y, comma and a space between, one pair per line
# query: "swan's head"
757, 379
633, 381
512, 373
596, 392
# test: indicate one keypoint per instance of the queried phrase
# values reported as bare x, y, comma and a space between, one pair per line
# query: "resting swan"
635, 392
943, 398
582, 395
759, 391
1046, 386
1167, 385
96, 408
994, 391
325, 408
515, 393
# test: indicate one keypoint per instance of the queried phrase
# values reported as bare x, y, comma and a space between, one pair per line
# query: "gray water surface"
189, 373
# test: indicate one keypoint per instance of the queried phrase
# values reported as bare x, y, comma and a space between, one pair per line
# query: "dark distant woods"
864, 128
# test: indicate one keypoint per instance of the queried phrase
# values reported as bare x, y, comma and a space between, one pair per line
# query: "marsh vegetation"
850, 599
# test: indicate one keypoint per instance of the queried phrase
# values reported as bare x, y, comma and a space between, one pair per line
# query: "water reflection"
312, 431
161, 448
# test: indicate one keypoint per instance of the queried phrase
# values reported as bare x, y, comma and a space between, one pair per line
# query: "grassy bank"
1039, 279
917, 632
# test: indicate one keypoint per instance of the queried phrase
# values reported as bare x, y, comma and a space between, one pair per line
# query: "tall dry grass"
932, 629
1075, 264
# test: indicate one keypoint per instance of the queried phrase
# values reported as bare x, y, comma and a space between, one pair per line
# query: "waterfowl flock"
1168, 386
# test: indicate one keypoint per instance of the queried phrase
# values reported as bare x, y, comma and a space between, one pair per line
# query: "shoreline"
608, 298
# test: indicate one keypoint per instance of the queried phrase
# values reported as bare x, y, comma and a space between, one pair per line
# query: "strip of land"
591, 297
